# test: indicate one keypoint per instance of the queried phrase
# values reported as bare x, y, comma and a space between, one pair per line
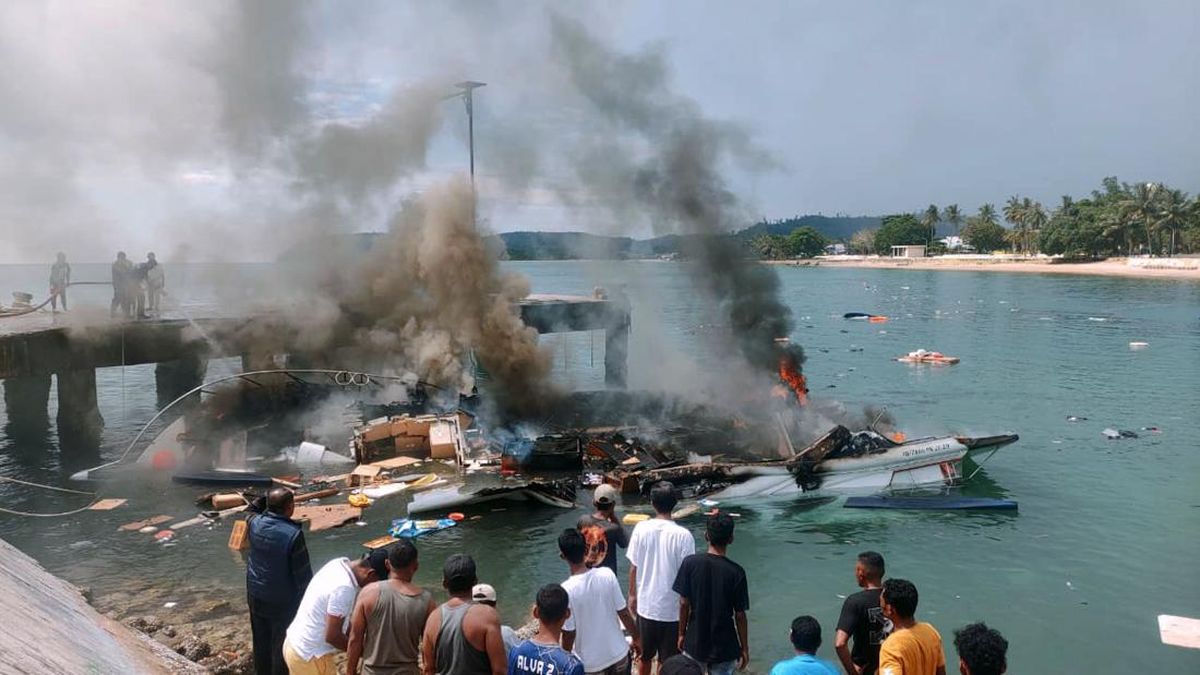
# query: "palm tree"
1141, 207
1174, 211
952, 215
930, 219
1035, 220
987, 214
1014, 213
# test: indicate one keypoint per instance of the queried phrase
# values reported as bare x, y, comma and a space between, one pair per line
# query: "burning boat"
839, 462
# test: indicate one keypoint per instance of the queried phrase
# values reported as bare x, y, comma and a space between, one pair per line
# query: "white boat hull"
935, 462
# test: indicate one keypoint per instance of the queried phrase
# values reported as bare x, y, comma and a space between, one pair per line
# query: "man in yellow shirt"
914, 647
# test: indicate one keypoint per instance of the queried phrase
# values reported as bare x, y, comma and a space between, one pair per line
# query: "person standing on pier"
603, 530
389, 619
156, 282
122, 278
714, 597
914, 647
318, 632
657, 548
863, 619
60, 277
462, 637
277, 574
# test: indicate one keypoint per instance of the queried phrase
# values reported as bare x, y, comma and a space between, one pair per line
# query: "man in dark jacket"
277, 574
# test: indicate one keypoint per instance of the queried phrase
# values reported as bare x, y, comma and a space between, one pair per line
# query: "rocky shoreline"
206, 625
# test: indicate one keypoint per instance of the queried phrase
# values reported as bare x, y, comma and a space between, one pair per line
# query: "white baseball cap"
483, 593
605, 494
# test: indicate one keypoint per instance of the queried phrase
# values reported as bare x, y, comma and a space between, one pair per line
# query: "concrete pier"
79, 422
26, 400
36, 346
173, 379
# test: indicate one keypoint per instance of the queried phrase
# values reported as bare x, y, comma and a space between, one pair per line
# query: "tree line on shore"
1119, 219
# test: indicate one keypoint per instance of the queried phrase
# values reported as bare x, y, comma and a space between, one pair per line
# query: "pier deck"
72, 345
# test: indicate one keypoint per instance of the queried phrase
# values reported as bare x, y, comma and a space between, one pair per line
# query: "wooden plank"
106, 504
202, 519
380, 542
396, 462
327, 516
139, 524
1180, 631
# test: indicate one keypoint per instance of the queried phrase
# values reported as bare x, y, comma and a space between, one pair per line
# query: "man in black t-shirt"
863, 619
714, 597
602, 530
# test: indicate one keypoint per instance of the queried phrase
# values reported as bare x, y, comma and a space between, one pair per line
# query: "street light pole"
468, 88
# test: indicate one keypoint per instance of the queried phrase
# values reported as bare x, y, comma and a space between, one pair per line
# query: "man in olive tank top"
389, 619
462, 637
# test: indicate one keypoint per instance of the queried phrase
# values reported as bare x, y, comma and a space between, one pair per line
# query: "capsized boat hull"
925, 463
551, 493
931, 503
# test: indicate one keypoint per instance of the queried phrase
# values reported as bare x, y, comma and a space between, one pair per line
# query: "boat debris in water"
922, 356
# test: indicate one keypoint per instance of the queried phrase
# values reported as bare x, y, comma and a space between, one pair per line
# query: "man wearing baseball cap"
602, 530
484, 594
319, 630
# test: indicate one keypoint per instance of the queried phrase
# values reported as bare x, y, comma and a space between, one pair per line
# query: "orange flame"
790, 375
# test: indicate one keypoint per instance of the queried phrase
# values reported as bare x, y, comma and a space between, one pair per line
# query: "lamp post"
467, 94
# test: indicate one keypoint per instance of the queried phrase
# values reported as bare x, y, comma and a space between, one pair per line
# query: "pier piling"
79, 422
25, 400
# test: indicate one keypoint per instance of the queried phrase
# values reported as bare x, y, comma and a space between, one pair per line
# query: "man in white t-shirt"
591, 632
656, 550
319, 630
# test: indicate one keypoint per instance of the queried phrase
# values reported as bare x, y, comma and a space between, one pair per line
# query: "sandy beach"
1113, 267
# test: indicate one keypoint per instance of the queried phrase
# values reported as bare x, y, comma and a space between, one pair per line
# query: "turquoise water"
1105, 540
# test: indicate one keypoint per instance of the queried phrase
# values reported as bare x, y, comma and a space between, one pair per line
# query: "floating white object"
314, 454
1138, 345
1179, 631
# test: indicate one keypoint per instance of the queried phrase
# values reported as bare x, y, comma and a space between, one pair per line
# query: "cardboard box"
239, 537
419, 426
363, 474
411, 444
376, 432
442, 436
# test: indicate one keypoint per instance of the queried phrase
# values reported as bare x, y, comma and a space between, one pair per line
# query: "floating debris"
1116, 434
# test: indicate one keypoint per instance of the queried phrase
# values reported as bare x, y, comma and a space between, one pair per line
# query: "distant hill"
564, 246
572, 245
837, 228
581, 245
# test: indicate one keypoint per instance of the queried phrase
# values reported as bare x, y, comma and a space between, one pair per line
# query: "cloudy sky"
165, 125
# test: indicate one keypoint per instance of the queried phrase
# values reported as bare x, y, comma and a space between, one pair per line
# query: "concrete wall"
49, 628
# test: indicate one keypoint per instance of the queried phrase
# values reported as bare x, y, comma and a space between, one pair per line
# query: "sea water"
1106, 538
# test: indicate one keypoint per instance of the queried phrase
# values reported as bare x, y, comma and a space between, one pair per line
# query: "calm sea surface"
1108, 532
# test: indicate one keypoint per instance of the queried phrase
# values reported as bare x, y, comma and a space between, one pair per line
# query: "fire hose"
5, 314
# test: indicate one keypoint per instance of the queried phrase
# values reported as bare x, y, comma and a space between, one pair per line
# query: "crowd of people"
685, 612
137, 289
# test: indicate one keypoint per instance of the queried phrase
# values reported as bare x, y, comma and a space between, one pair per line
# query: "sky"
195, 129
